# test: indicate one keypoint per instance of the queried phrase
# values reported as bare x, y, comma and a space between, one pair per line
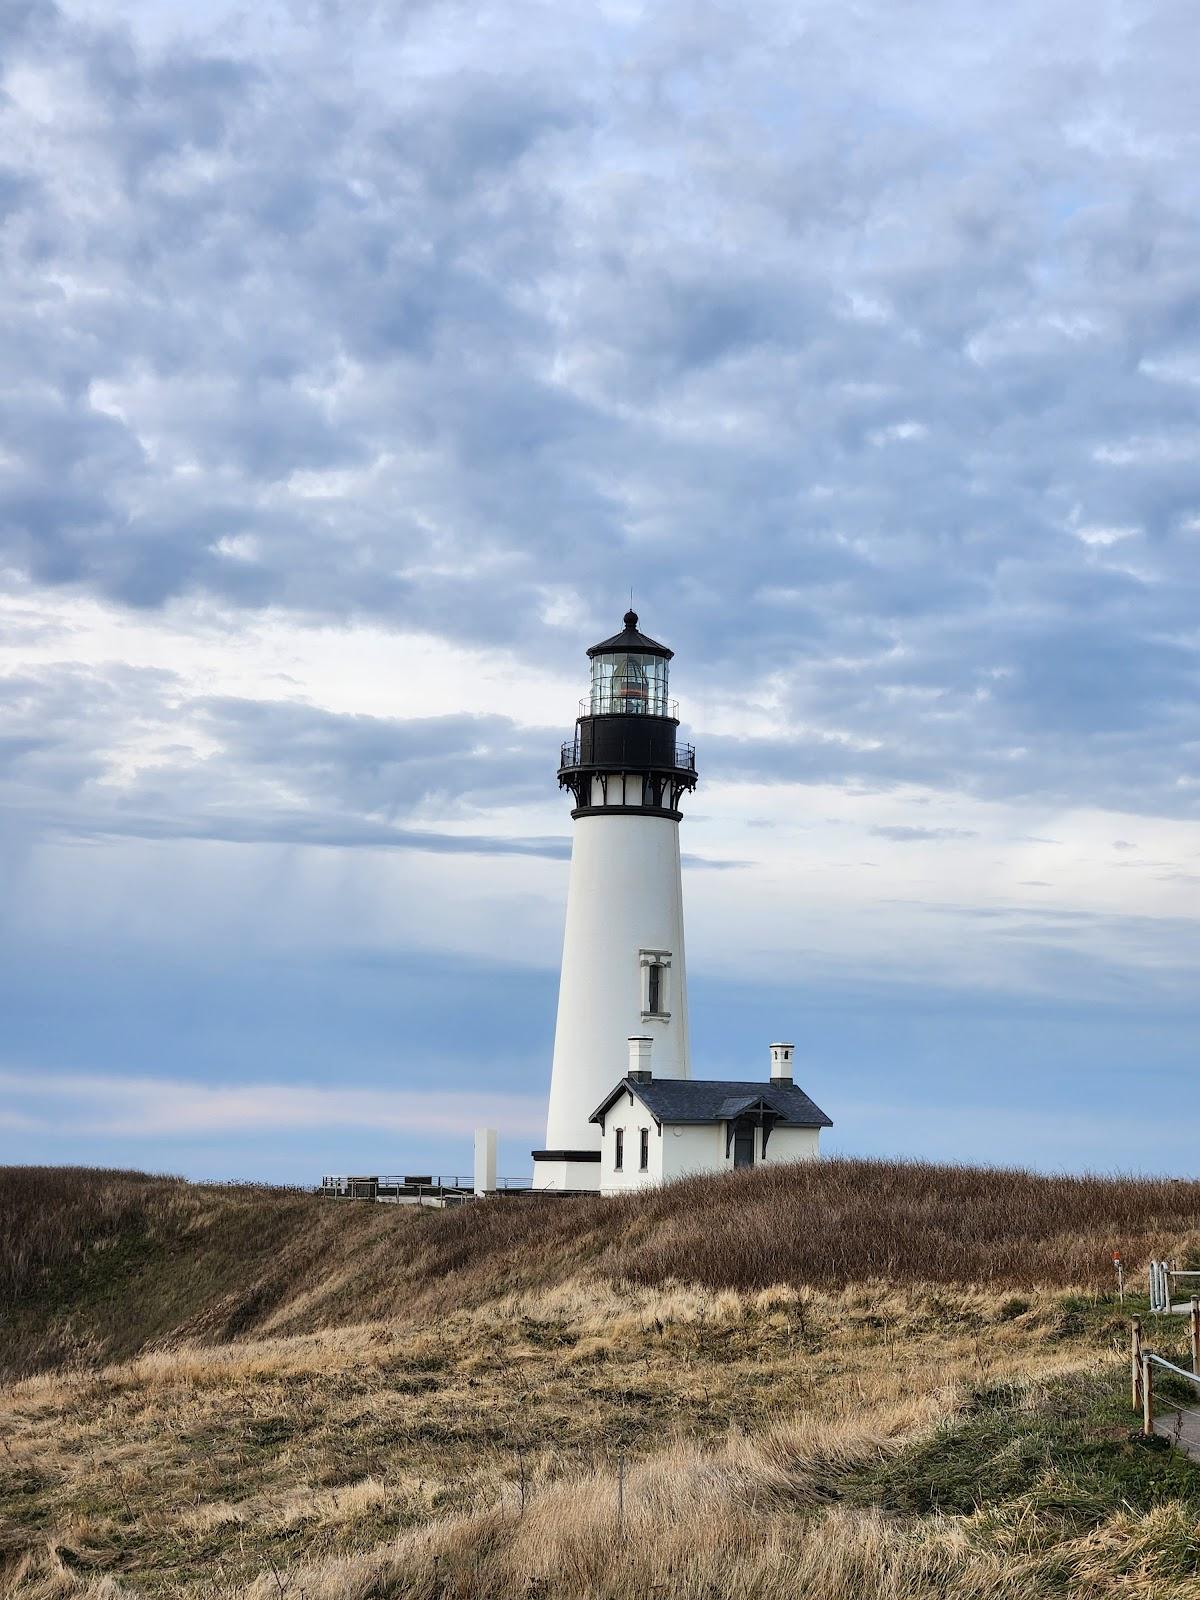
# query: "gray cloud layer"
865, 342
252, 771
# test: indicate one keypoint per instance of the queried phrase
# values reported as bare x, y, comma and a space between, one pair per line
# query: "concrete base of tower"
574, 1170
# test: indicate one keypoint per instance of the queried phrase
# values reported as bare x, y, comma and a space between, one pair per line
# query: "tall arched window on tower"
656, 972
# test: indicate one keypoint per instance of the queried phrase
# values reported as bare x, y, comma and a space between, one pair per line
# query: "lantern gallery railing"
628, 700
683, 757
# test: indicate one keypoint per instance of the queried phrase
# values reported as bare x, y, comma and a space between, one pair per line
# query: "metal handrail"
1161, 1361
684, 754
1161, 1274
387, 1180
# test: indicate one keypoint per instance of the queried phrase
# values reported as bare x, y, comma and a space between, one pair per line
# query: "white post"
485, 1160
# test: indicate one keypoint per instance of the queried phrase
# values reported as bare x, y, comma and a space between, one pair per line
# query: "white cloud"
1104, 537
898, 433
147, 1107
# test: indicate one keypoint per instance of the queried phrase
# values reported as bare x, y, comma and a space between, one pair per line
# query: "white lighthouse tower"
623, 972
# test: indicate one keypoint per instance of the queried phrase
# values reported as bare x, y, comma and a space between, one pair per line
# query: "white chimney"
640, 1046
485, 1160
781, 1063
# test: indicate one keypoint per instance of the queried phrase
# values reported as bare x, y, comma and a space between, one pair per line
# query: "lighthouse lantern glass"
629, 684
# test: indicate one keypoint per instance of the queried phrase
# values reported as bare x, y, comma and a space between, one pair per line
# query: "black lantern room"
627, 730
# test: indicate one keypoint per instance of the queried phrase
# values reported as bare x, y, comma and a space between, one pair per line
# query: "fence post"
1196, 1334
1147, 1399
1135, 1362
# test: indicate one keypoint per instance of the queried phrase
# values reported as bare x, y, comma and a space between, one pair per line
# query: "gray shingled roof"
718, 1100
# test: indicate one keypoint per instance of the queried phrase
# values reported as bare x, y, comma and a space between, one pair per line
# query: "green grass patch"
1068, 1451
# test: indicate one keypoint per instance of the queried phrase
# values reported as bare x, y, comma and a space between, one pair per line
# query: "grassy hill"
839, 1379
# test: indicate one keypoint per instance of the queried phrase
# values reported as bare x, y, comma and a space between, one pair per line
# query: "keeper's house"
655, 1129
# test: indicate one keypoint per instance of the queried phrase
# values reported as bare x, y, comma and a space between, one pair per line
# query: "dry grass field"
832, 1381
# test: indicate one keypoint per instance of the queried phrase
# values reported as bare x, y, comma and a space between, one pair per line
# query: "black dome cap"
631, 640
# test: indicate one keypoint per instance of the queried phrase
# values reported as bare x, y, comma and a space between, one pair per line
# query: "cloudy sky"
358, 360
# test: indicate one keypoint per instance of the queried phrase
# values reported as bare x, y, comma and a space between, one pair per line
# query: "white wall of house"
562, 1174
631, 1119
792, 1144
693, 1147
683, 1149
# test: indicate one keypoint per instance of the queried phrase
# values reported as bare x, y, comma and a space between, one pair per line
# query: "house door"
743, 1144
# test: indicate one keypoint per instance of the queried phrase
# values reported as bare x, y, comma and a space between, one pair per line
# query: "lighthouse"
623, 989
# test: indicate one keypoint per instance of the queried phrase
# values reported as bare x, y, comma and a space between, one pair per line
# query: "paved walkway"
1182, 1428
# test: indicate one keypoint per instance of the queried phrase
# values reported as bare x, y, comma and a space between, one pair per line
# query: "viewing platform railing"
393, 1186
572, 756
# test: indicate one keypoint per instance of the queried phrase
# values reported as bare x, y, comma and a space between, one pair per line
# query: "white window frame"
646, 960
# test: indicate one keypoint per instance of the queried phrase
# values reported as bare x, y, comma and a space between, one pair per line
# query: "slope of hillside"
846, 1379
100, 1264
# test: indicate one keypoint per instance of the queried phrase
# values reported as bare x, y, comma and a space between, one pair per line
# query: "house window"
644, 1156
619, 1156
656, 972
